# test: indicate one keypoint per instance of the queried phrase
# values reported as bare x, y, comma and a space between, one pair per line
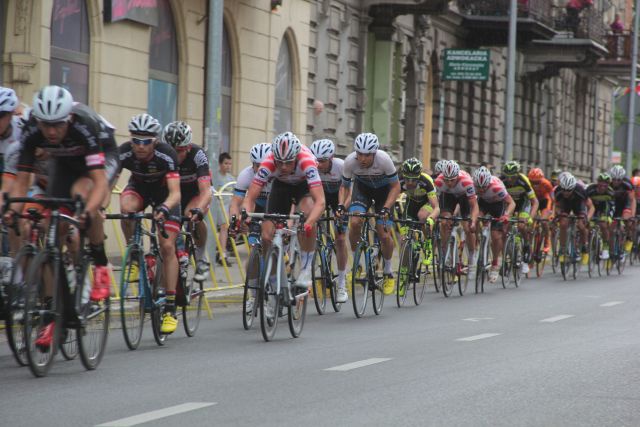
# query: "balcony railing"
588, 24
619, 45
539, 10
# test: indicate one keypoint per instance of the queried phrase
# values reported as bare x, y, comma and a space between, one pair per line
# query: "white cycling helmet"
617, 172
285, 147
144, 124
8, 100
438, 167
323, 149
52, 104
177, 134
567, 182
366, 143
24, 117
450, 169
482, 177
259, 152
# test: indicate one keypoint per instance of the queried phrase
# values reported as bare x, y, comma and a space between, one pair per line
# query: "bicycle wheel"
539, 255
420, 276
449, 268
480, 266
507, 261
15, 304
518, 259
463, 268
94, 319
377, 278
332, 269
622, 258
192, 294
319, 281
43, 311
132, 297
555, 247
359, 282
405, 272
297, 310
69, 343
594, 254
268, 298
158, 306
251, 286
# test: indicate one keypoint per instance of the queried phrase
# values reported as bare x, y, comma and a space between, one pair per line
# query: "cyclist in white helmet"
10, 128
296, 180
330, 168
625, 201
375, 183
571, 198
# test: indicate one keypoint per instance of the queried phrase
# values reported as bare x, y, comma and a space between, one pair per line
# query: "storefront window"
282, 116
163, 67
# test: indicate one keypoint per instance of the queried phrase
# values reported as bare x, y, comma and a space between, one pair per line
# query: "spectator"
617, 26
574, 7
220, 179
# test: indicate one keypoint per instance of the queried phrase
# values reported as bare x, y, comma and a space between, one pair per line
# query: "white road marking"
478, 319
557, 318
156, 415
478, 337
358, 364
611, 303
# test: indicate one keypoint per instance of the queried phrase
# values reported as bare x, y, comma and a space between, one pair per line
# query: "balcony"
617, 62
588, 24
487, 21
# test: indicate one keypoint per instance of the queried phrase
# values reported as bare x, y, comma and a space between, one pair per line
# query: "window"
163, 67
282, 116
227, 73
69, 66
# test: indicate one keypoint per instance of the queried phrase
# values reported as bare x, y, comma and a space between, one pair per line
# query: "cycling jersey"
544, 192
11, 157
12, 135
331, 180
519, 189
574, 202
193, 170
244, 181
156, 171
306, 170
604, 202
381, 173
424, 189
463, 189
622, 193
635, 182
494, 193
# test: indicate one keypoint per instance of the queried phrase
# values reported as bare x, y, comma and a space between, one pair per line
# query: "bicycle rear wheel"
297, 310
192, 294
43, 311
594, 255
94, 322
539, 255
132, 297
508, 261
480, 267
420, 277
15, 304
377, 276
268, 298
555, 247
449, 269
319, 282
332, 269
69, 343
158, 306
359, 282
518, 259
251, 286
405, 272
463, 268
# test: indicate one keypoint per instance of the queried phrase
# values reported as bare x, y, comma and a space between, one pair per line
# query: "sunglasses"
143, 141
450, 179
282, 163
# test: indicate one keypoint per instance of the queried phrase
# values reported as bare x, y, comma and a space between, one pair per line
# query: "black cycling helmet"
411, 168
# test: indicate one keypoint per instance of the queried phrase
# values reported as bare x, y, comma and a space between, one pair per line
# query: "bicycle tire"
463, 268
332, 268
420, 277
158, 307
448, 269
192, 293
319, 281
518, 258
405, 272
480, 266
507, 261
594, 254
539, 255
268, 299
69, 343
251, 286
297, 311
15, 305
555, 247
437, 256
377, 280
41, 359
359, 284
132, 297
93, 332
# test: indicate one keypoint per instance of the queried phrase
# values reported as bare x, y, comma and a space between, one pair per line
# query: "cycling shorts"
363, 197
495, 210
284, 195
154, 195
450, 201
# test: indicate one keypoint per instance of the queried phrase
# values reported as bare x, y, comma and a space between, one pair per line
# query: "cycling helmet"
259, 152
24, 117
604, 177
568, 182
511, 168
366, 143
438, 167
451, 169
177, 134
555, 174
482, 177
411, 168
52, 104
536, 174
144, 124
286, 146
323, 149
8, 100
617, 172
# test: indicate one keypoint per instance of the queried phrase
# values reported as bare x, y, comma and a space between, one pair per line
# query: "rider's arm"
534, 207
394, 192
475, 210
19, 188
204, 196
632, 200
591, 209
173, 199
511, 206
317, 194
99, 191
235, 205
344, 194
249, 203
435, 206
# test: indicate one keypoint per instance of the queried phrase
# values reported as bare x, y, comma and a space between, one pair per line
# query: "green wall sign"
466, 64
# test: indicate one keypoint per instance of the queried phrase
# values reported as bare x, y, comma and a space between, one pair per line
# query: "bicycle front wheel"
331, 273
405, 272
508, 261
158, 306
69, 343
193, 294
359, 282
131, 298
376, 276
319, 282
421, 274
297, 310
449, 268
268, 298
94, 322
251, 286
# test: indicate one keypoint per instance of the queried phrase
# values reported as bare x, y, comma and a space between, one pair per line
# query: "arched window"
163, 67
282, 116
69, 65
227, 73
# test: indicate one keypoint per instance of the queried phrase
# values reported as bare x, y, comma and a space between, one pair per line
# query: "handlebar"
139, 216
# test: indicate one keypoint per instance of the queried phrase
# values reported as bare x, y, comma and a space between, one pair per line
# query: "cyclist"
437, 169
154, 181
420, 191
571, 197
602, 207
554, 178
375, 183
494, 200
456, 189
519, 187
195, 188
9, 122
625, 205
80, 151
330, 169
544, 193
296, 180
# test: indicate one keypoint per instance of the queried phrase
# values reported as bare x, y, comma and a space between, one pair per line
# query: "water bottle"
151, 266
183, 260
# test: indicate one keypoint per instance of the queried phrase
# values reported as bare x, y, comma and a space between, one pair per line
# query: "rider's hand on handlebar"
308, 229
340, 210
196, 214
504, 219
385, 213
161, 213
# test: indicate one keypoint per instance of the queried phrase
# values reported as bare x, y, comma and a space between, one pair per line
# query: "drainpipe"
213, 75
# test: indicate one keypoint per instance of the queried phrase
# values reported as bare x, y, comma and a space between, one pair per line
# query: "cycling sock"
97, 252
305, 259
387, 266
341, 276
170, 304
200, 253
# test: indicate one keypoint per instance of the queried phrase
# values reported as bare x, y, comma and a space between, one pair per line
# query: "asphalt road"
550, 353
